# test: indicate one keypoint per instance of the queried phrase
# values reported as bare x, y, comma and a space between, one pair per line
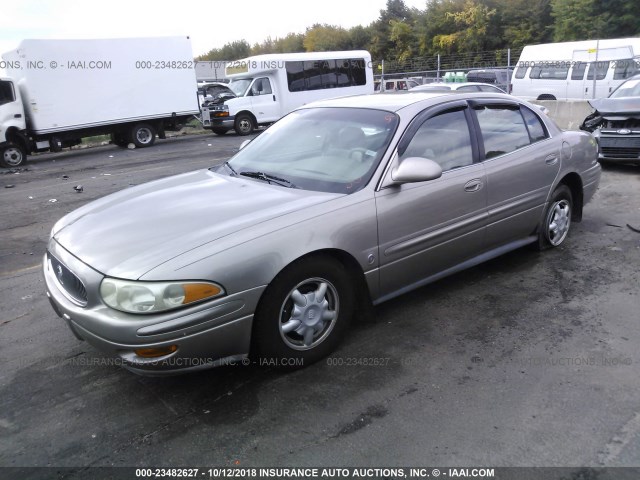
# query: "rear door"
425, 228
521, 162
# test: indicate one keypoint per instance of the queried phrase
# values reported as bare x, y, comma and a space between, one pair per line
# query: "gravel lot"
528, 360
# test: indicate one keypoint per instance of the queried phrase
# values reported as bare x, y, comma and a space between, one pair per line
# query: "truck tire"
119, 139
12, 155
219, 130
143, 135
244, 124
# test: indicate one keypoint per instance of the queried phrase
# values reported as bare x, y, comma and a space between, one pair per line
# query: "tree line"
451, 27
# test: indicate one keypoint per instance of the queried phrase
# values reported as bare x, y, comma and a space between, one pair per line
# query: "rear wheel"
12, 155
303, 313
557, 219
143, 135
244, 124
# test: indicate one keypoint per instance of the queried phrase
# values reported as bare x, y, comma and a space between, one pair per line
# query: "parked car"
500, 77
341, 203
460, 87
395, 84
615, 123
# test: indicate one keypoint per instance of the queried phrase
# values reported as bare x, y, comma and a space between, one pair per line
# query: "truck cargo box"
72, 84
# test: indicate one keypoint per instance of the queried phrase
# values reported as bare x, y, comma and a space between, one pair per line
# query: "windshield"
239, 87
630, 88
321, 149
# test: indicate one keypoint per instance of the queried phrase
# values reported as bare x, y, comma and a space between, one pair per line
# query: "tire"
12, 155
557, 219
119, 140
142, 135
244, 124
219, 131
303, 313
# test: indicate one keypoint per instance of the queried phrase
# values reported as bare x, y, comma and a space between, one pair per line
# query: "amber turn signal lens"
199, 291
156, 352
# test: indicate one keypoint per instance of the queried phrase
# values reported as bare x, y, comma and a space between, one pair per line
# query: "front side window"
444, 139
503, 129
321, 149
521, 72
6, 92
578, 71
262, 86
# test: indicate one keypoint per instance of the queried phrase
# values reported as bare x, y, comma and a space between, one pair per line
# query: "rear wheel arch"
574, 182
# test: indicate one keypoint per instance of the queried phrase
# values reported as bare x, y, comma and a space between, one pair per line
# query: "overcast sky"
209, 23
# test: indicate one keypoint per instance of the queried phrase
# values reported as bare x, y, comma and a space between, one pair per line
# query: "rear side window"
521, 72
536, 128
444, 139
624, 69
600, 67
503, 129
550, 72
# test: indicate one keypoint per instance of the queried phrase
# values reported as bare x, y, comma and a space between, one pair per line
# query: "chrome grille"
68, 281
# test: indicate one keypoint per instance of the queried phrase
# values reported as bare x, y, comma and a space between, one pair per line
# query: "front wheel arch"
263, 339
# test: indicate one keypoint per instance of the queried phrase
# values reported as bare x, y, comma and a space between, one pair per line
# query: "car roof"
452, 85
393, 102
380, 101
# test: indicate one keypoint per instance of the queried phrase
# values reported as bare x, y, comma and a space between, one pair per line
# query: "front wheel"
303, 313
244, 124
557, 219
12, 155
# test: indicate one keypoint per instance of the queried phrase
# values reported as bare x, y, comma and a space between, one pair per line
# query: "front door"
264, 102
425, 228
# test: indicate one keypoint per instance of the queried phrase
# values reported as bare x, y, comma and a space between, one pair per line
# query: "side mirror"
244, 144
416, 169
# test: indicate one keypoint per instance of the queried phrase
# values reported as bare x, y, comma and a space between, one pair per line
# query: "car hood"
129, 233
624, 105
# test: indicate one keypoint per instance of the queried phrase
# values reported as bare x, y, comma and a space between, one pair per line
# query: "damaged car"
615, 124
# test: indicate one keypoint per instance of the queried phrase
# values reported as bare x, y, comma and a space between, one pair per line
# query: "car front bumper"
206, 335
614, 147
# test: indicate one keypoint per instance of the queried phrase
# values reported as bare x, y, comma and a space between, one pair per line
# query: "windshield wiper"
269, 178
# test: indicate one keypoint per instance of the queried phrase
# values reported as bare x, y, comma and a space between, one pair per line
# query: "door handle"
17, 115
473, 185
274, 98
551, 159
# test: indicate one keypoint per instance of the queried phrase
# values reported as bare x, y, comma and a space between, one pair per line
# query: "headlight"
152, 297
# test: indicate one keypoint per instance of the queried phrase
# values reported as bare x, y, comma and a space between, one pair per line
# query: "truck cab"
13, 141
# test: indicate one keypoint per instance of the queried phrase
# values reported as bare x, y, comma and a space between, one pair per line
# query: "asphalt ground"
531, 359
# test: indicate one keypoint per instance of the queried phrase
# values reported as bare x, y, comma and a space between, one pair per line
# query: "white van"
267, 87
565, 71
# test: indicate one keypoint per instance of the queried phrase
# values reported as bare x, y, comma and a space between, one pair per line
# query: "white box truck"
267, 87
59, 91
